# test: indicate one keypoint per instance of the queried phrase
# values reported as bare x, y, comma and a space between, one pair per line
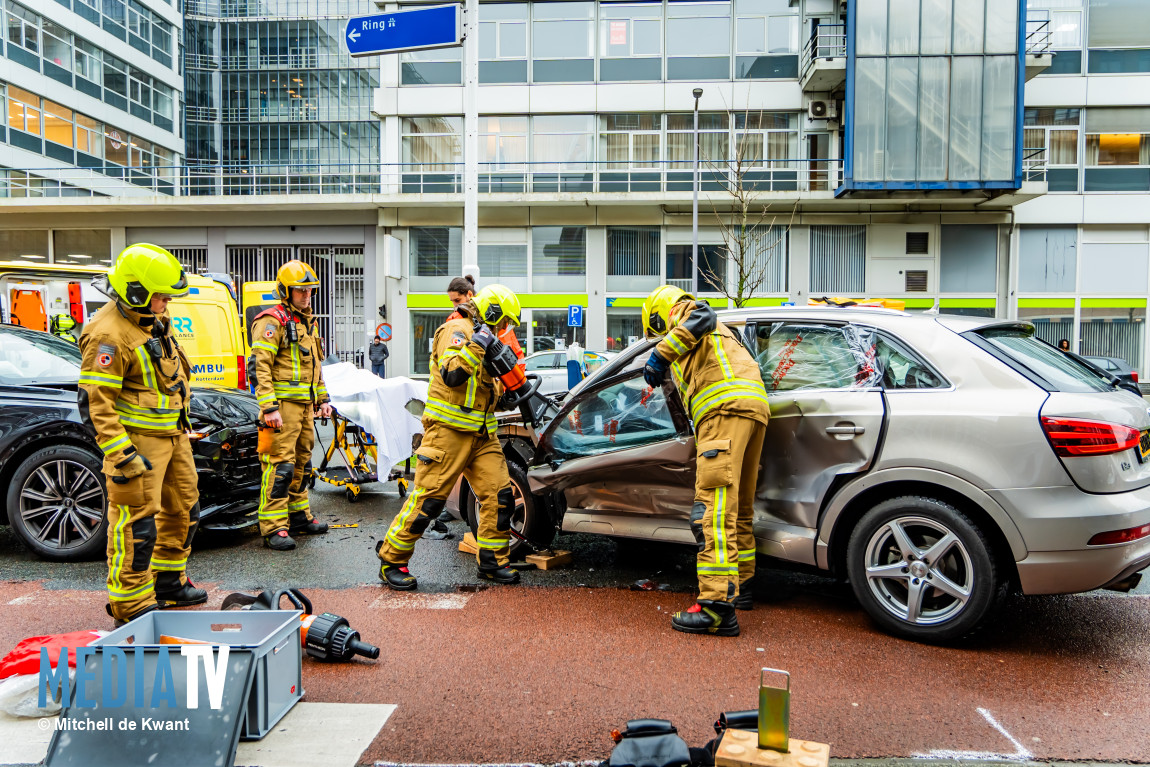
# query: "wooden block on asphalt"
468, 545
740, 748
549, 560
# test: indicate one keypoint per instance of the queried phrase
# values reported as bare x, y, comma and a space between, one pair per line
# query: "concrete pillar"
596, 314
217, 251
798, 277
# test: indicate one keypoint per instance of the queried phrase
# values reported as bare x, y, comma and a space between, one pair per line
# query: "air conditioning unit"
823, 109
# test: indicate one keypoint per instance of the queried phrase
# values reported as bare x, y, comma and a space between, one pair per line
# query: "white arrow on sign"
353, 35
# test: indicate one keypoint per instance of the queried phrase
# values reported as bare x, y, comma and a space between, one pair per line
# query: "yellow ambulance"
206, 321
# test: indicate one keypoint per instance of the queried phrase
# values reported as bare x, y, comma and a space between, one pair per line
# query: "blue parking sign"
574, 316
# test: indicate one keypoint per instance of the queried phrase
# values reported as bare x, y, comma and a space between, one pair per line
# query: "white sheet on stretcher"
378, 405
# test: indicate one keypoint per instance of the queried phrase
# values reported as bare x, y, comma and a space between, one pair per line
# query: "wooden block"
740, 748
549, 560
468, 545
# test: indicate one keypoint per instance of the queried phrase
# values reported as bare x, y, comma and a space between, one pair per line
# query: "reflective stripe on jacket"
122, 387
286, 370
461, 393
711, 367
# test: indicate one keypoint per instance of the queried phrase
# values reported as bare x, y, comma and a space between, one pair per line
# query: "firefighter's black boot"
118, 622
445, 516
171, 593
745, 600
707, 617
301, 525
505, 575
397, 577
279, 541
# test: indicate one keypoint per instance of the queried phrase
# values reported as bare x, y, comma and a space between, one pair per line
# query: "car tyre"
922, 569
530, 519
36, 501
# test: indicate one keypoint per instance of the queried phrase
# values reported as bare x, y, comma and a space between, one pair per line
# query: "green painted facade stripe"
627, 303
1114, 303
753, 302
526, 300
968, 303
916, 303
1046, 303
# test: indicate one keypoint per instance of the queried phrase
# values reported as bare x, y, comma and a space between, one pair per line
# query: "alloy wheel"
919, 570
62, 503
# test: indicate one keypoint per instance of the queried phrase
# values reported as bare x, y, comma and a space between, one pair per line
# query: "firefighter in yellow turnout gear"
724, 393
134, 396
460, 437
286, 366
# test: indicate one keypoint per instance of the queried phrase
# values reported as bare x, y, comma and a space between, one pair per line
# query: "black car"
50, 466
1119, 368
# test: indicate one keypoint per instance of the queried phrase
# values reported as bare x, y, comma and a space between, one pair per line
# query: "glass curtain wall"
275, 103
940, 75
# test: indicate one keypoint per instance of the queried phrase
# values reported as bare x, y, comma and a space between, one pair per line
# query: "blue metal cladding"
850, 114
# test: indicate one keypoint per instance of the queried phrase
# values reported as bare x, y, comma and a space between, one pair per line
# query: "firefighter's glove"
484, 337
132, 467
655, 371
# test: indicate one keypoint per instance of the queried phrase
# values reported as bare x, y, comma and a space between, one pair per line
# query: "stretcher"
356, 452
375, 422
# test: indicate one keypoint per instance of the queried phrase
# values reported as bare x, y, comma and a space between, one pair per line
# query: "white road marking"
27, 599
1021, 754
420, 602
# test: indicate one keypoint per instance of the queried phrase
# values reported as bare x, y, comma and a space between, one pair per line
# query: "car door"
826, 420
622, 454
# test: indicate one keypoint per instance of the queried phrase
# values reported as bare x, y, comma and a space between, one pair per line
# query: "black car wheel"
528, 519
922, 569
57, 504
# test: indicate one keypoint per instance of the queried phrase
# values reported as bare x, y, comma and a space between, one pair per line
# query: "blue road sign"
574, 316
439, 26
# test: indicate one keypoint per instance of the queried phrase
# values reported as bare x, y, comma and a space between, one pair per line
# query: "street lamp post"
698, 92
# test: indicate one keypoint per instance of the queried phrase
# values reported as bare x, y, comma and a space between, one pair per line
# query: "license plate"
1144, 445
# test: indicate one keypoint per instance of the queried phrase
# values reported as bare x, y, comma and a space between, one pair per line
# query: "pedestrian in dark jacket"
377, 353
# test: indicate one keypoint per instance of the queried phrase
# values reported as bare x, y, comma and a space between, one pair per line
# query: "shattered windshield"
625, 414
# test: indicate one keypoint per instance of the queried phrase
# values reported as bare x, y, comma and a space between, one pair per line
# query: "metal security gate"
194, 260
338, 305
838, 260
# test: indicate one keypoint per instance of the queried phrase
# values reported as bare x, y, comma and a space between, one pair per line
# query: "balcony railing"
1034, 162
1038, 34
313, 177
828, 41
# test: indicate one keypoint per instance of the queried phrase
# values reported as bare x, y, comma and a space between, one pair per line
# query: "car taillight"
1134, 375
1075, 436
1120, 536
242, 369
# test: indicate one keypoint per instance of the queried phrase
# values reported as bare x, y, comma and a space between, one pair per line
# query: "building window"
630, 42
23, 110
766, 147
423, 327
436, 257
83, 247
1117, 149
440, 66
699, 41
968, 261
562, 152
503, 43
766, 39
89, 136
712, 267
624, 327
1047, 259
502, 257
58, 47
714, 140
838, 260
432, 150
1118, 259
1119, 37
115, 81
116, 146
630, 140
559, 259
562, 42
1051, 139
88, 63
632, 259
58, 124
502, 154
549, 330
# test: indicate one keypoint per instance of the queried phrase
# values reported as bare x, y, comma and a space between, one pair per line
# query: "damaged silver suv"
934, 461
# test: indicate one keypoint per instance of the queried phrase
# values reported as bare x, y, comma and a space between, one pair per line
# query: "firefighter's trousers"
443, 455
151, 521
728, 449
284, 483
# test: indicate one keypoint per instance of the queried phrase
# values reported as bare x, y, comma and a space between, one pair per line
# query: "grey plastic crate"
272, 636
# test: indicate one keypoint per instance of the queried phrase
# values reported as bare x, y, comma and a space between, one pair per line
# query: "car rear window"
37, 358
1022, 349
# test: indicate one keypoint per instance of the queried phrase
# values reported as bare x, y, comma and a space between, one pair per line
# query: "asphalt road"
542, 672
